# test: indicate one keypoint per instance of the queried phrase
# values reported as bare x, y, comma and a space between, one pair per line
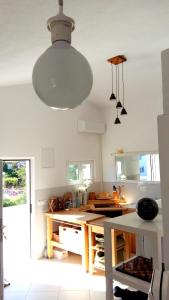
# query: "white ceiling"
104, 28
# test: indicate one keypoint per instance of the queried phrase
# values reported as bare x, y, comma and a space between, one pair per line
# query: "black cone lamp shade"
119, 105
112, 97
123, 111
117, 121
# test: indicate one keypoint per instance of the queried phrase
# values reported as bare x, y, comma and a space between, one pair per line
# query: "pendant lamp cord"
123, 84
60, 6
112, 76
116, 86
118, 83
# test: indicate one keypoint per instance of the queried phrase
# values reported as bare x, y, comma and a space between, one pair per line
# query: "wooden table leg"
91, 251
114, 246
127, 241
85, 254
49, 237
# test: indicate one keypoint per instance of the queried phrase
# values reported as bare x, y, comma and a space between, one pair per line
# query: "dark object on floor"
125, 294
139, 267
147, 209
6, 283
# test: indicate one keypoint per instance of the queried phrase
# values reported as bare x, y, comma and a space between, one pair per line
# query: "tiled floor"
54, 280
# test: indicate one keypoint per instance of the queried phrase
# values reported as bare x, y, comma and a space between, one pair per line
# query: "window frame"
79, 163
154, 176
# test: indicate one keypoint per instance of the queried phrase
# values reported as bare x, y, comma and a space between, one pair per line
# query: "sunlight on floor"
53, 279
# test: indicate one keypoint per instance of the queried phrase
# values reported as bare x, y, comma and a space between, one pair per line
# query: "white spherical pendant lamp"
62, 77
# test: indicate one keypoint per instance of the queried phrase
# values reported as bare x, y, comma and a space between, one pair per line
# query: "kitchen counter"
74, 215
69, 222
81, 217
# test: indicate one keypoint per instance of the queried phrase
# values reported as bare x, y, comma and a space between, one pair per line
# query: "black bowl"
147, 209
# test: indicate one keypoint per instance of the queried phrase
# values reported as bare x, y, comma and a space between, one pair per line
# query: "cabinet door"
1, 237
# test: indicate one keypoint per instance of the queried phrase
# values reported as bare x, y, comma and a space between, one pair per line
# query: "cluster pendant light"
62, 77
119, 80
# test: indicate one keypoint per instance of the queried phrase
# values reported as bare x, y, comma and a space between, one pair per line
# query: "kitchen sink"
102, 211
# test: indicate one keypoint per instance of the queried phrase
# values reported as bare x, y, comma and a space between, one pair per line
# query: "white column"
163, 139
108, 262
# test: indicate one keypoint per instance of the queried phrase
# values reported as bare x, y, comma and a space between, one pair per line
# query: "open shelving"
133, 224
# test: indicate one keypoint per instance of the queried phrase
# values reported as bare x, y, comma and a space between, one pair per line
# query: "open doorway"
16, 213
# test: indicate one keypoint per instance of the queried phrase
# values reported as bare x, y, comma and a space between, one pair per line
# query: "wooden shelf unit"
97, 227
70, 218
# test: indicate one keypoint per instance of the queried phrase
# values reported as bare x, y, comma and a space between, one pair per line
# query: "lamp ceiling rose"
116, 60
61, 26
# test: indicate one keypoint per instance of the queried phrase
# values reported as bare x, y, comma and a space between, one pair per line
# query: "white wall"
138, 131
27, 125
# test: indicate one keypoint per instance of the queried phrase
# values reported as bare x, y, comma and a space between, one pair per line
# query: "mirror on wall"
137, 166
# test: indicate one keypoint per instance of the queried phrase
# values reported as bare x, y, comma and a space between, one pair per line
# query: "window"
149, 167
137, 166
79, 171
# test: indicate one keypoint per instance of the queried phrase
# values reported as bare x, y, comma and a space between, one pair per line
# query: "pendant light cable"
118, 82
112, 76
60, 6
122, 83
116, 85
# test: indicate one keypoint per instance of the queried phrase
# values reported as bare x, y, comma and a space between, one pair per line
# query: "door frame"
1, 238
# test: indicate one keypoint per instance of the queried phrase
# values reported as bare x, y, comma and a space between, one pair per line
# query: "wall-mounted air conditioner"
91, 127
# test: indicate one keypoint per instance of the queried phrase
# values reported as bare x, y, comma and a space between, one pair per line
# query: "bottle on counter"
85, 198
115, 194
77, 200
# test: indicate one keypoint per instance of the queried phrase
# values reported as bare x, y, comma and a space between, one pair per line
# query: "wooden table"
72, 216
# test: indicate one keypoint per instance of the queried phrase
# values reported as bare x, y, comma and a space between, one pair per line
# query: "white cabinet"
132, 223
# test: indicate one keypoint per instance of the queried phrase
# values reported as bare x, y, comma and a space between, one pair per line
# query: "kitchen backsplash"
133, 191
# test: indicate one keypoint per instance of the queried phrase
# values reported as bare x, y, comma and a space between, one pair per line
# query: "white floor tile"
15, 296
55, 280
97, 295
42, 296
18, 285
41, 287
74, 295
97, 283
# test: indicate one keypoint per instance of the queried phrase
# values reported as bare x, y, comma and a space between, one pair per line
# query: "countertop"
74, 215
85, 214
133, 223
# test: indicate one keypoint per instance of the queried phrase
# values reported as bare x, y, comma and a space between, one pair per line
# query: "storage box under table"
71, 237
60, 253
